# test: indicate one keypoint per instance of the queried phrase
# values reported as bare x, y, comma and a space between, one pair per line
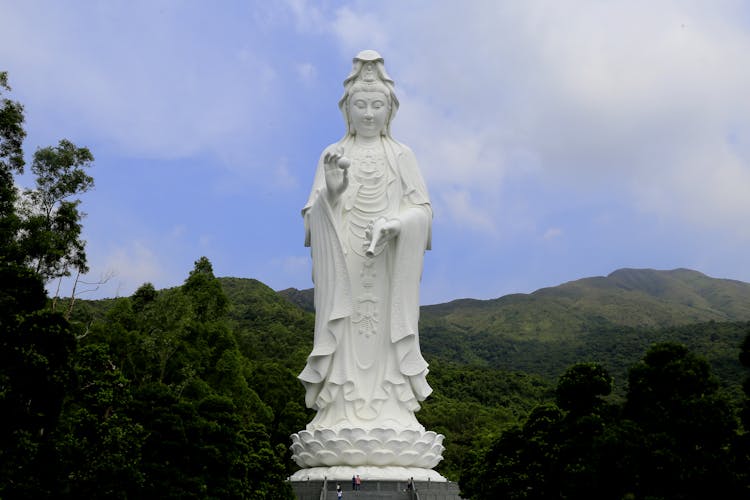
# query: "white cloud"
451, 153
709, 186
178, 231
117, 272
360, 30
295, 264
635, 97
283, 176
553, 233
205, 242
458, 206
131, 266
307, 72
308, 17
149, 85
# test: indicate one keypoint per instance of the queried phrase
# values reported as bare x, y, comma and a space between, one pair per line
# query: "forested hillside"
626, 298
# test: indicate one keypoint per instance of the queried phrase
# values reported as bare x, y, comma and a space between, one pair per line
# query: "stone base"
377, 490
343, 474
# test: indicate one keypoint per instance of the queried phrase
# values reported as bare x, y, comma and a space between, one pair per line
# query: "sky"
558, 139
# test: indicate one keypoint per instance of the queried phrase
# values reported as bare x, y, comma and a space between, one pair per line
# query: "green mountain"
626, 298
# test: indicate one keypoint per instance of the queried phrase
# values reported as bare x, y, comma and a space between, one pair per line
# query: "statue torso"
368, 197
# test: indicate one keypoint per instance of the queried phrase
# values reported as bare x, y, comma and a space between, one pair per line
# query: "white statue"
368, 223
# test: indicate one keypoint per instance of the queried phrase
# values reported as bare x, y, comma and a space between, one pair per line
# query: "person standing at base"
339, 493
357, 483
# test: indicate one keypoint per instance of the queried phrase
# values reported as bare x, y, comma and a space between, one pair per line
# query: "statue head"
368, 75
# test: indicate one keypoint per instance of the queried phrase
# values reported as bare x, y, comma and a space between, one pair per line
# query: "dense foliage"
549, 355
676, 436
191, 416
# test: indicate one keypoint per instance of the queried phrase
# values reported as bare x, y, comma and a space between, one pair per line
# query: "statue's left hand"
390, 229
379, 232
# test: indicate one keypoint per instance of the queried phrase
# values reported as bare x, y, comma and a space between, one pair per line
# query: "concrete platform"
344, 473
377, 490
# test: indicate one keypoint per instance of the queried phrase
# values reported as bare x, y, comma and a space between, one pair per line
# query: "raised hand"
337, 172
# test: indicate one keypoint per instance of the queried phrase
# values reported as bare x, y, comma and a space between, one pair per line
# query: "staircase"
377, 490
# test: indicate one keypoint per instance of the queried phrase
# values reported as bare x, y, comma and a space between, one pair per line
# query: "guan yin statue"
368, 223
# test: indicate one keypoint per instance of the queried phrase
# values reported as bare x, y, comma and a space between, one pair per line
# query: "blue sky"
558, 140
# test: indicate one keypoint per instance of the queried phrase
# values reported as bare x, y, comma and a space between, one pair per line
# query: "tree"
36, 346
687, 424
235, 458
51, 236
98, 443
279, 388
580, 388
500, 471
523, 463
743, 451
164, 325
12, 135
588, 417
745, 361
145, 295
168, 455
209, 300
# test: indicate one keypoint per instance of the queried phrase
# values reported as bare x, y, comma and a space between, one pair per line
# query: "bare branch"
57, 294
79, 337
72, 296
103, 279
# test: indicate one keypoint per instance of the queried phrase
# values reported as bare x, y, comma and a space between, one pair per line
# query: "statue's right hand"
337, 171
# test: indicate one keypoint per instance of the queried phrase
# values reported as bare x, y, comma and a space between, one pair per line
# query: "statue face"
368, 112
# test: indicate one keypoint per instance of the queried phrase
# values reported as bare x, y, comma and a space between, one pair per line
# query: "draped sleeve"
333, 302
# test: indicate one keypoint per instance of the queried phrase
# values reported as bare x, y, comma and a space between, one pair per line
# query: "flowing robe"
355, 377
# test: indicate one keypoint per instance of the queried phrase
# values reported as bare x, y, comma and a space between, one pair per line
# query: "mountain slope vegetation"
625, 298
